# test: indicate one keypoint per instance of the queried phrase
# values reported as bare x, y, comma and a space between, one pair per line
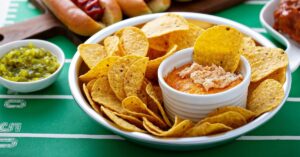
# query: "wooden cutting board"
47, 25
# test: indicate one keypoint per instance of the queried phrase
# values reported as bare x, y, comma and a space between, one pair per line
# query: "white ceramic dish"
26, 87
267, 20
195, 106
171, 143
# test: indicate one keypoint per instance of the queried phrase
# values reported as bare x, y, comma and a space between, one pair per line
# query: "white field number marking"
9, 142
10, 127
15, 103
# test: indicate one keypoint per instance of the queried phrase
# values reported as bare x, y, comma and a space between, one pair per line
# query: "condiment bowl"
25, 87
267, 20
197, 106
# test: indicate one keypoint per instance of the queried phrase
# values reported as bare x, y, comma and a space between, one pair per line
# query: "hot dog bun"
159, 5
139, 7
78, 21
134, 7
112, 12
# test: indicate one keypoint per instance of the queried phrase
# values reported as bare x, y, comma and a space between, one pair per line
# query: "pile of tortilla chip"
121, 83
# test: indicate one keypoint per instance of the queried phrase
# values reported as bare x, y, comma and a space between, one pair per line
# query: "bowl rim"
35, 42
186, 52
181, 142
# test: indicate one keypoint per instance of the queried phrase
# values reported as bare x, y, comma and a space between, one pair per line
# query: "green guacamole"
28, 63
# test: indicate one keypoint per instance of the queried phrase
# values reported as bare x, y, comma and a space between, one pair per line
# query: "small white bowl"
25, 87
196, 106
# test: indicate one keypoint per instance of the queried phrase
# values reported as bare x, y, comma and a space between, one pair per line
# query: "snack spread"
27, 63
121, 83
286, 18
198, 79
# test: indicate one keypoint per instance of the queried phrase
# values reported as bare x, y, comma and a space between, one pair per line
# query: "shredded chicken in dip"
209, 76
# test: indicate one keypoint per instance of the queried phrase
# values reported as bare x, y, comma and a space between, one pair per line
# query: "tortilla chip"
153, 54
134, 77
202, 24
116, 74
267, 96
152, 105
165, 24
153, 65
159, 43
119, 32
136, 107
230, 118
158, 93
248, 44
133, 42
207, 128
186, 38
150, 91
219, 45
100, 69
95, 106
176, 131
264, 61
102, 94
91, 54
131, 119
119, 121
150, 127
248, 115
177, 120
90, 84
111, 45
278, 75
142, 93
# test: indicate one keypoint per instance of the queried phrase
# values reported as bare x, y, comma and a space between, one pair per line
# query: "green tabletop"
50, 123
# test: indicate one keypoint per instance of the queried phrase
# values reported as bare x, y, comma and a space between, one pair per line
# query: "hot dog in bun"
85, 17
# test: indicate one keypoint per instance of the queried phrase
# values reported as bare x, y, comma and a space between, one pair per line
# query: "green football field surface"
50, 123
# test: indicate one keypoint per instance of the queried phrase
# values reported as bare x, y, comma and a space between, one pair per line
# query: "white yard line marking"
11, 10
116, 137
291, 99
3, 11
68, 60
8, 22
14, 5
11, 16
269, 138
256, 2
36, 97
8, 142
259, 30
63, 136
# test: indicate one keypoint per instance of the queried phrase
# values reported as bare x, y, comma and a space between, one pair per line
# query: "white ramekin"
196, 106
25, 87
